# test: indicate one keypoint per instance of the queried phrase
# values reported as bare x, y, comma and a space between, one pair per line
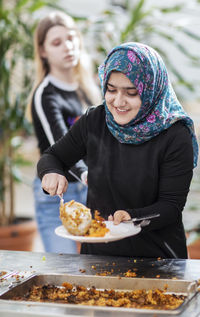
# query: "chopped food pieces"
2, 273
71, 294
129, 273
98, 227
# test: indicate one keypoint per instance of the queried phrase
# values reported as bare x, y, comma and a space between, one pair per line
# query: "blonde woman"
64, 88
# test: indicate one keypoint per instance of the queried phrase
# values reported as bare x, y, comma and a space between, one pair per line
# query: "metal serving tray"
184, 287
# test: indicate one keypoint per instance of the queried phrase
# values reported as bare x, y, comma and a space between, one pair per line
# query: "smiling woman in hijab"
141, 149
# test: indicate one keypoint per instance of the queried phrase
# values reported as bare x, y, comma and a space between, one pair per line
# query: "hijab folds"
160, 107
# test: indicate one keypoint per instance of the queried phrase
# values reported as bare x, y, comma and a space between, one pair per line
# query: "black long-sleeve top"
150, 177
55, 108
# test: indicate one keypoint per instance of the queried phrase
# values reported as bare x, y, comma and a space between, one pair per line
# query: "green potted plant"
16, 52
159, 25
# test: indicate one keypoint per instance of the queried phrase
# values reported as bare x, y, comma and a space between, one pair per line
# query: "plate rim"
104, 239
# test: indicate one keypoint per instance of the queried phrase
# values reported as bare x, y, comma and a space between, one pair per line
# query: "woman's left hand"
119, 216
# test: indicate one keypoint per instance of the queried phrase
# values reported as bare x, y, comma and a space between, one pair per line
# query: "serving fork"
61, 199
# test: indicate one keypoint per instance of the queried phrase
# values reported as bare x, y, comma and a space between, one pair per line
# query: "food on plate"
2, 273
98, 227
77, 219
78, 294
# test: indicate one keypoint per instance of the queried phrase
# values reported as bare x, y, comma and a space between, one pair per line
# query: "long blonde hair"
83, 70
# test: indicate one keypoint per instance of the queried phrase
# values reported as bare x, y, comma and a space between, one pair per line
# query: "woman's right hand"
54, 184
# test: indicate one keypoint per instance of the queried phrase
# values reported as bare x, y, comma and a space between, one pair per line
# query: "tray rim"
175, 311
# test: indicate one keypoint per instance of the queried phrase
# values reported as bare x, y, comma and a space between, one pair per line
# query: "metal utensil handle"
61, 199
142, 218
147, 217
144, 223
76, 177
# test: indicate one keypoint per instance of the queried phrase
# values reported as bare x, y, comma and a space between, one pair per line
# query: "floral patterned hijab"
160, 107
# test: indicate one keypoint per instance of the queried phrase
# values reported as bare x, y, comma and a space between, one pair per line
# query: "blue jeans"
47, 216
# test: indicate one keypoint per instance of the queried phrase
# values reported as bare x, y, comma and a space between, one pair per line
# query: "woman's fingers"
110, 218
49, 183
121, 215
54, 184
62, 186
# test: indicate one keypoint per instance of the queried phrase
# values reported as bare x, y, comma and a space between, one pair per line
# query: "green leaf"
175, 8
190, 34
16, 174
36, 5
20, 161
137, 15
181, 48
20, 4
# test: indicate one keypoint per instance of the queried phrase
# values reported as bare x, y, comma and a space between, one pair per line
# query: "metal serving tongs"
141, 218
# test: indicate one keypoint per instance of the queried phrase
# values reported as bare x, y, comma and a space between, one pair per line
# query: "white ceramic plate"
117, 232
